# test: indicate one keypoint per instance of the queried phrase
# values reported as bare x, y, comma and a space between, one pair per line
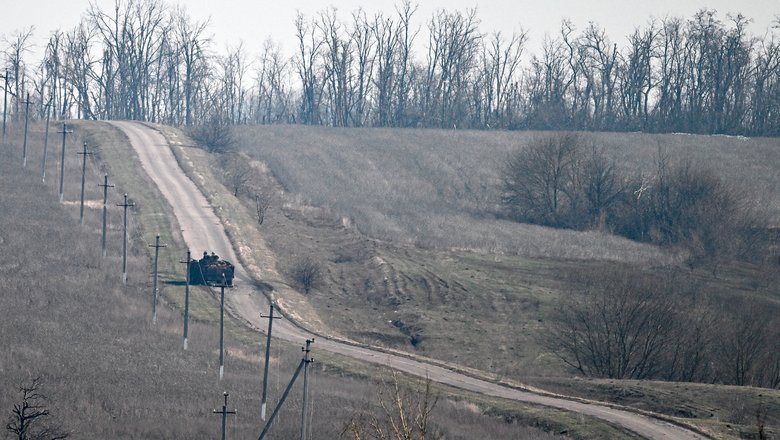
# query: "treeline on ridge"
146, 60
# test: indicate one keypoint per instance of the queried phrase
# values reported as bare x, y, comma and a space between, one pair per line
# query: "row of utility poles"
84, 153
126, 204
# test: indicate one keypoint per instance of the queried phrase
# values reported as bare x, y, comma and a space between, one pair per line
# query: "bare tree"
501, 64
273, 94
406, 414
617, 326
17, 47
598, 190
337, 60
191, 45
215, 134
262, 204
454, 42
537, 180
237, 171
307, 272
306, 65
31, 418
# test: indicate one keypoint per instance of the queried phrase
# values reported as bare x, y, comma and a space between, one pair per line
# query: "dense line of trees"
145, 60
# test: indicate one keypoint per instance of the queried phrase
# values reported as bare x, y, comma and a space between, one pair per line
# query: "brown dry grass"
455, 300
111, 374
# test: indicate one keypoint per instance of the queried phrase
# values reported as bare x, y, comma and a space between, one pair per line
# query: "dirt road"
202, 230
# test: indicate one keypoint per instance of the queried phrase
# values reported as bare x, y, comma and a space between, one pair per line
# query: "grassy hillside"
440, 188
360, 203
110, 373
392, 216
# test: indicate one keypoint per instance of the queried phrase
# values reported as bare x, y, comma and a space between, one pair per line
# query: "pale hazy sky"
252, 21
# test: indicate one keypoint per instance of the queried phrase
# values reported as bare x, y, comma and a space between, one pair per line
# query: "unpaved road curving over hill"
202, 230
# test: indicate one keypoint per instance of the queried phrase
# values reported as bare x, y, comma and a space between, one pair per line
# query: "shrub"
216, 135
307, 273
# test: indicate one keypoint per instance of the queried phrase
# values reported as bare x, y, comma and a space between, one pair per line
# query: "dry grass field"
390, 215
102, 361
110, 373
415, 255
440, 188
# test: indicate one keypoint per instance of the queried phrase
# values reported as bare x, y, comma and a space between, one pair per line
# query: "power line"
271, 318
187, 295
26, 103
5, 101
65, 132
156, 247
222, 286
303, 364
224, 413
105, 187
125, 205
84, 154
45, 142
306, 362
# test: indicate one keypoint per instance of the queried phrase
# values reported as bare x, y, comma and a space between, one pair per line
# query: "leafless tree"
337, 63
307, 273
262, 204
191, 50
237, 171
306, 66
79, 73
537, 180
17, 46
406, 414
31, 418
453, 47
617, 326
501, 65
741, 342
273, 94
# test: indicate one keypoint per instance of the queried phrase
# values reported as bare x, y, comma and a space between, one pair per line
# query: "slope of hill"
107, 370
440, 294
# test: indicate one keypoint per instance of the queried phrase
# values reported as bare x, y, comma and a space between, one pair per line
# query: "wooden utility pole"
26, 120
125, 205
45, 142
65, 132
5, 101
156, 247
271, 318
105, 187
84, 153
186, 294
222, 286
224, 413
306, 361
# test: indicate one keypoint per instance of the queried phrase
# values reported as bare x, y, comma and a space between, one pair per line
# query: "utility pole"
125, 205
224, 413
222, 286
105, 186
84, 153
186, 295
5, 101
305, 361
156, 247
64, 132
26, 120
46, 142
271, 318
